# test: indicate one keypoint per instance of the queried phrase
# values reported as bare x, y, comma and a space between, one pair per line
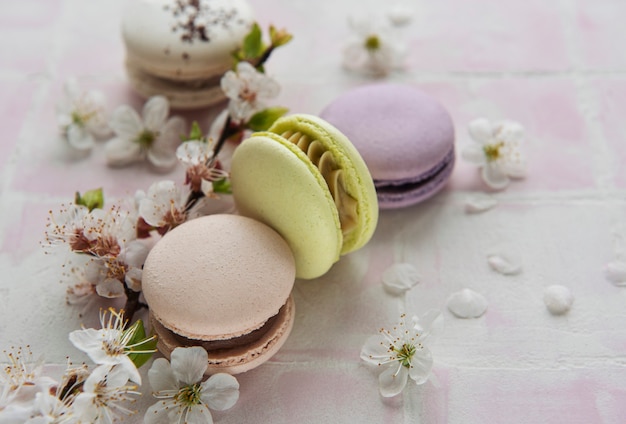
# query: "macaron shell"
241, 359
410, 193
218, 277
274, 182
180, 96
401, 132
156, 41
357, 179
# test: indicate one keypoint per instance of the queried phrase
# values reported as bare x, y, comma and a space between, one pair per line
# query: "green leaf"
264, 119
143, 346
222, 186
196, 132
92, 199
252, 43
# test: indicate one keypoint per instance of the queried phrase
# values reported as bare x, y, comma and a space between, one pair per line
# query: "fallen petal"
479, 203
508, 264
615, 272
467, 304
399, 278
558, 299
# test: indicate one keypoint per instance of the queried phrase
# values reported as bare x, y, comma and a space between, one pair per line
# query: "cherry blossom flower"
374, 48
66, 226
153, 136
404, 352
100, 233
20, 379
497, 151
81, 115
103, 396
201, 171
183, 396
248, 91
49, 409
164, 206
109, 345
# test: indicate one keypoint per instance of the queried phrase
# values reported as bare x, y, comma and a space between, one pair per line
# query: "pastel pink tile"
31, 14
333, 395
93, 50
488, 35
534, 395
16, 100
610, 95
597, 34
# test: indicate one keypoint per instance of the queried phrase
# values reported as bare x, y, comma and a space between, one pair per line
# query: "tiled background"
558, 67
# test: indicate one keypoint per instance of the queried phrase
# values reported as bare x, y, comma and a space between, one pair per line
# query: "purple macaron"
405, 137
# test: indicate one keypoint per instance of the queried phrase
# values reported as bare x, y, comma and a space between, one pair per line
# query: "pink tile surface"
597, 34
610, 94
555, 67
488, 35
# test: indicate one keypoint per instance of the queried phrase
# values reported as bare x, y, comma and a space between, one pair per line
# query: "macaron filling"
389, 188
332, 174
180, 80
238, 354
220, 344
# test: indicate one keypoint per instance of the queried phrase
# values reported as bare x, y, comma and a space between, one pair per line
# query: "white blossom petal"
421, 366
84, 407
199, 414
189, 364
505, 263
467, 304
428, 325
119, 374
122, 152
110, 288
479, 203
79, 138
393, 380
126, 122
509, 131
374, 350
558, 299
191, 152
400, 15
474, 154
89, 340
159, 412
399, 278
162, 377
155, 113
135, 253
230, 84
494, 176
481, 131
615, 272
162, 154
133, 279
220, 391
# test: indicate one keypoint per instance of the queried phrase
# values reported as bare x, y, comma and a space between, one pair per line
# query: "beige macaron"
222, 282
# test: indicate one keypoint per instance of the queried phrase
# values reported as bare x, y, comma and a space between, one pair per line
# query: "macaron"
404, 135
306, 180
222, 282
181, 48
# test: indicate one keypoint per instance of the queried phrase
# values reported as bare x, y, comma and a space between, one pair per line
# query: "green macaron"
306, 180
